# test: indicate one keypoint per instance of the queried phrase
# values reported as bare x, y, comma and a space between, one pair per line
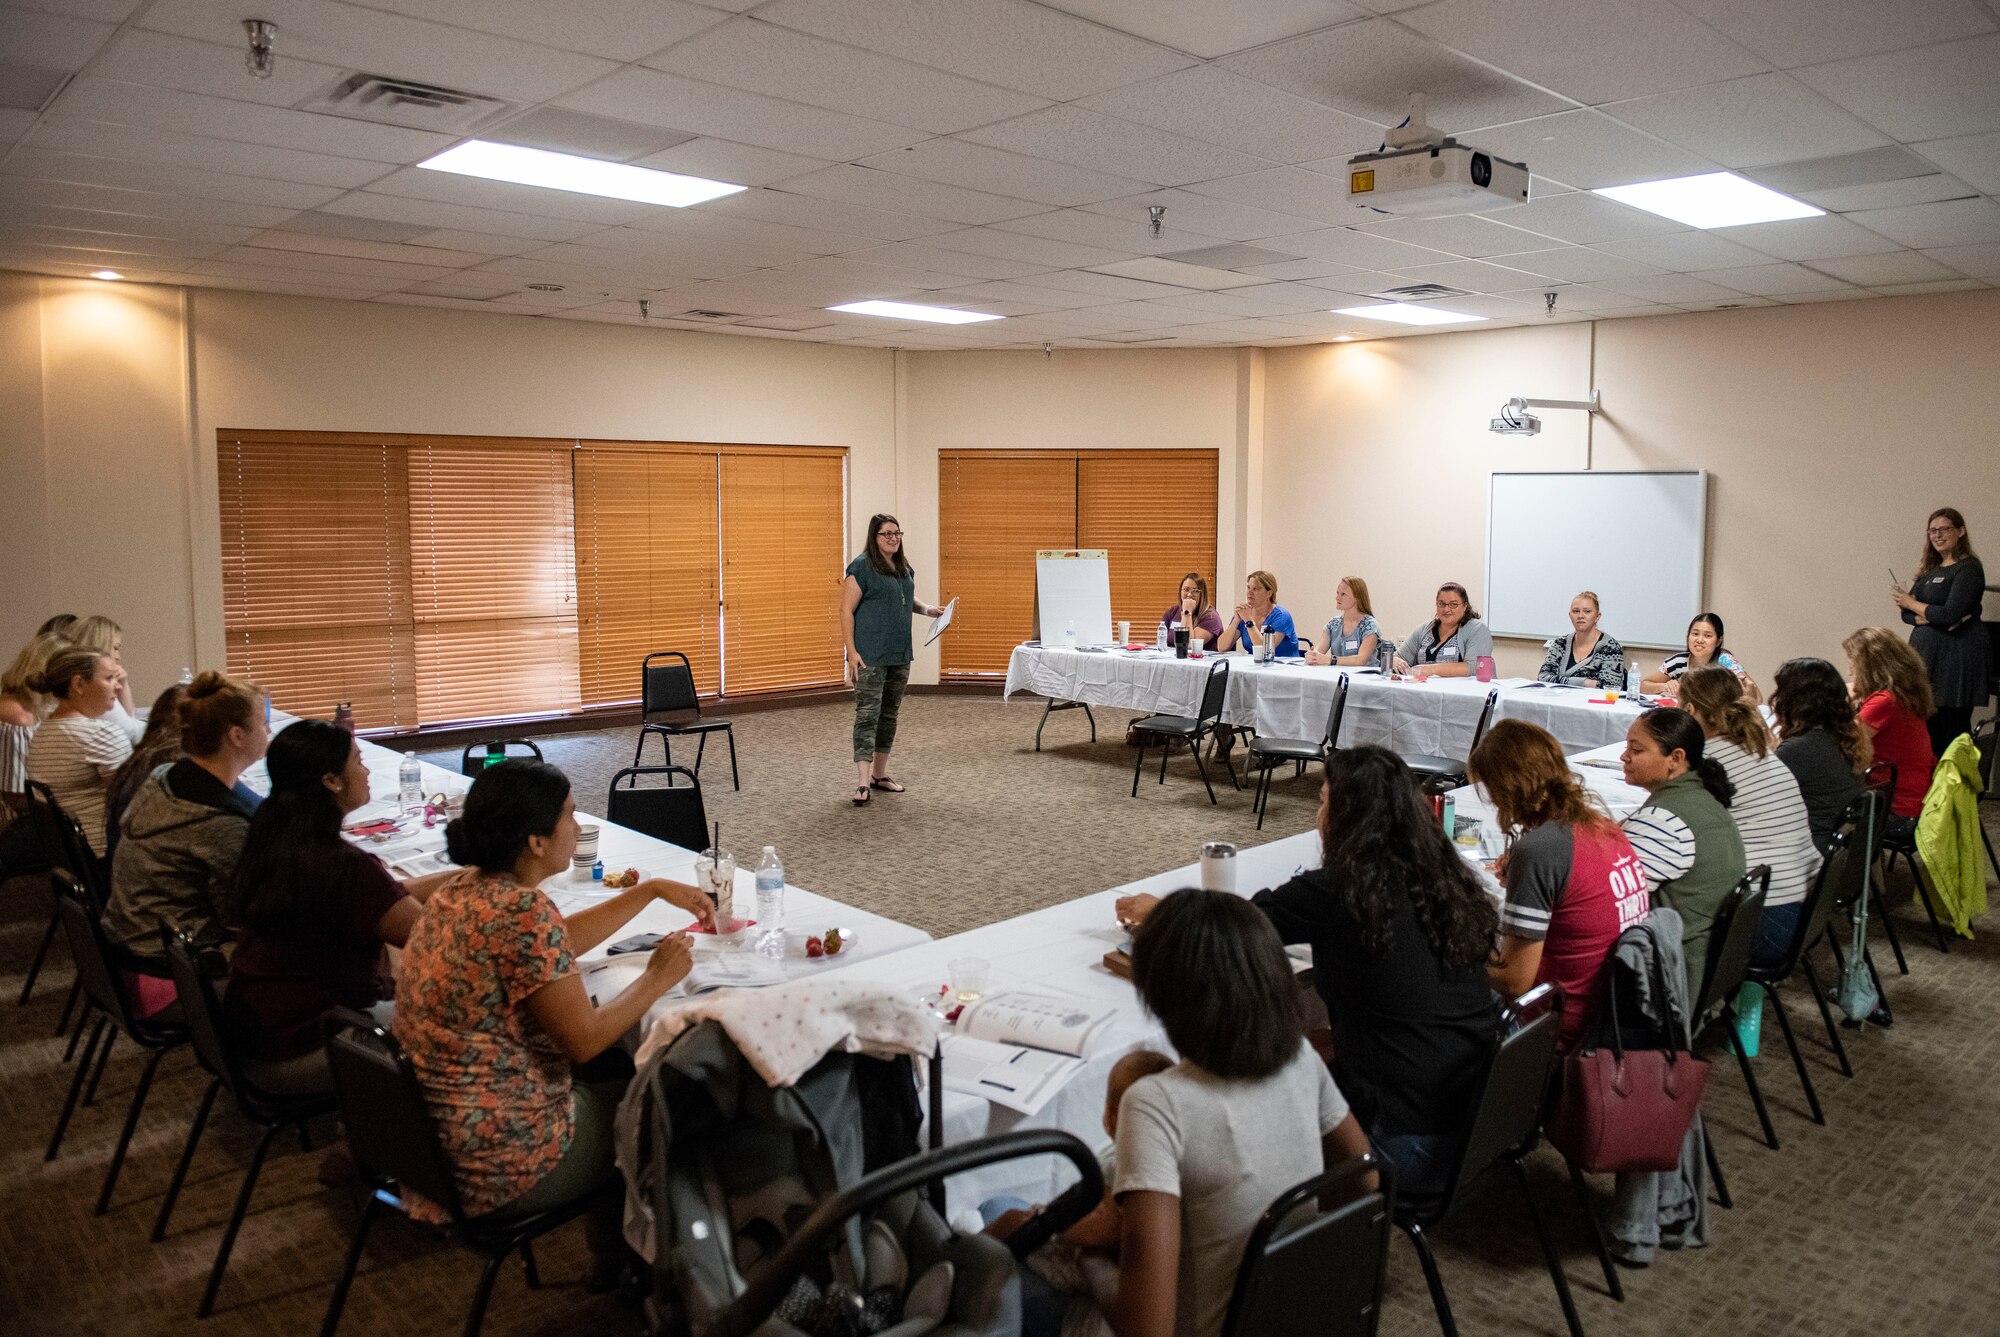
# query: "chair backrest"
88, 948
1730, 939
1840, 877
1485, 718
1508, 1106
1334, 714
1316, 1271
201, 1010
389, 1123
63, 843
478, 756
673, 813
1216, 693
667, 685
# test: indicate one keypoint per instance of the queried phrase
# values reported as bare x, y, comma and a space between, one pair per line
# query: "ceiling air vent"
404, 102
1420, 292
714, 315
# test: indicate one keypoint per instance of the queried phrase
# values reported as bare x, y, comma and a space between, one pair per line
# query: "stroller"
807, 1210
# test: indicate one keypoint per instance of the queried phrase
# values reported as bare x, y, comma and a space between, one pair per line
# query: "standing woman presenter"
1942, 608
877, 602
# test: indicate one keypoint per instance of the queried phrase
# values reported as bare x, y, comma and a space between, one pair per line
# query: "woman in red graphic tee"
1573, 883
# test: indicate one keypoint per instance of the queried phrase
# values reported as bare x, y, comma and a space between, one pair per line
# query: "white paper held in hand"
941, 621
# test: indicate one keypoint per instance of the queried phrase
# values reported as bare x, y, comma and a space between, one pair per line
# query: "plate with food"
820, 944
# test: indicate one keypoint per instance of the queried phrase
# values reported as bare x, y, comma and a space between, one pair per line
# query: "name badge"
1350, 647
1450, 653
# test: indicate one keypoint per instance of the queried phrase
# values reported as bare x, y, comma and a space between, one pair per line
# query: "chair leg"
1722, 1197
1612, 1282
1563, 1296
1749, 1076
338, 1300
1798, 1059
195, 1130
1439, 1301
640, 750
236, 1215
528, 1268
1263, 796
69, 1005
41, 954
76, 1032
700, 747
476, 1316
1201, 766
1138, 765
75, 1089
125, 1134
1166, 747
736, 781
1923, 884
103, 1057
1888, 924
1826, 1017
1991, 857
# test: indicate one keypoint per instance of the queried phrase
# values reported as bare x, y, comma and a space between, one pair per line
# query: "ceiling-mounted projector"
1421, 173
1515, 420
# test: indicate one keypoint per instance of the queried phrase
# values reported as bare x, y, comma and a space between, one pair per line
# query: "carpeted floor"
1886, 1221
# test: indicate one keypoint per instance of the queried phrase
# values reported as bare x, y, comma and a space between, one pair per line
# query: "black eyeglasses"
890, 534
1936, 530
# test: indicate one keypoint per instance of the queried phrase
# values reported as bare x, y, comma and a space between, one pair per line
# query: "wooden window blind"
316, 572
646, 566
781, 569
492, 556
995, 509
1154, 510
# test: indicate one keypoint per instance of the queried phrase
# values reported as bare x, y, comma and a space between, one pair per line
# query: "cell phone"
638, 942
1892, 577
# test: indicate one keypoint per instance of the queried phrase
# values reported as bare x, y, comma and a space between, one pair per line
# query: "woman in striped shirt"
78, 749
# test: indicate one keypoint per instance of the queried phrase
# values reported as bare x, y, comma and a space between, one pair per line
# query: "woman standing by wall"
876, 605
1942, 608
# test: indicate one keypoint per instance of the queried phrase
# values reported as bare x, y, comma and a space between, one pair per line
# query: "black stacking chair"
673, 813
1276, 751
1501, 1132
105, 995
273, 1113
1729, 941
1882, 784
1437, 774
1192, 730
1893, 847
1315, 1263
396, 1147
478, 756
63, 847
667, 689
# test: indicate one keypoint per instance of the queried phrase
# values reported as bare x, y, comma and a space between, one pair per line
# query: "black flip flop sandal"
861, 797
886, 784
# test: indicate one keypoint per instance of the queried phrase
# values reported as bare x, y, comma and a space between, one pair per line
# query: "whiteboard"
1073, 586
1637, 539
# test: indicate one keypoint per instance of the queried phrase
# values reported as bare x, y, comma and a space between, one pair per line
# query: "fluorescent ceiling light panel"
1402, 313
936, 315
585, 176
1713, 199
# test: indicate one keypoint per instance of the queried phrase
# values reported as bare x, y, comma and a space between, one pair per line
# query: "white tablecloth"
1291, 700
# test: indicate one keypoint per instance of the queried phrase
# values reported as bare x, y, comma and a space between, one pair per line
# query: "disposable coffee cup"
1218, 866
1124, 633
586, 842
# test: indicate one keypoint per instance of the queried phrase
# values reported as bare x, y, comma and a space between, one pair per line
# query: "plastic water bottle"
1069, 634
1632, 680
1160, 641
410, 785
187, 676
771, 903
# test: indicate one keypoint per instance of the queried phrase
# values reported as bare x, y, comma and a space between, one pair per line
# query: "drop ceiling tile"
1845, 293
50, 41
104, 11
729, 113
755, 232
1927, 92
785, 206
14, 123
18, 218
632, 267
622, 30
1295, 270
481, 244
1820, 238
924, 255
1192, 211
1362, 250
1209, 31
872, 188
1771, 280
1571, 300
1153, 269
954, 162
1273, 299
1035, 295
130, 144
353, 38
585, 134
1973, 158
1734, 302
356, 266
286, 240
1476, 275
471, 292
1807, 32
318, 223
335, 282
1585, 149
1008, 42
75, 240
1946, 223
1981, 261
1889, 194
848, 268
1469, 235
152, 204
1356, 283
1685, 251
1093, 140
1673, 288
1126, 235
239, 282
1924, 289
1580, 264
750, 54
697, 257
1874, 271
462, 217
738, 164
451, 188
1585, 219
1369, 69
1106, 287
29, 161
1291, 191
1765, 118
1210, 104
1038, 251
209, 68
152, 108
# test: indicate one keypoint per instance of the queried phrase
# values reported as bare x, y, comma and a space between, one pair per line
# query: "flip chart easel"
1073, 585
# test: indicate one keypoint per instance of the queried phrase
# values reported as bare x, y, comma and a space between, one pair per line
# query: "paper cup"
1124, 633
1218, 866
586, 841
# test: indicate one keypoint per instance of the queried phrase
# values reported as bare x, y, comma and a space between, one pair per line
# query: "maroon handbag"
1628, 1109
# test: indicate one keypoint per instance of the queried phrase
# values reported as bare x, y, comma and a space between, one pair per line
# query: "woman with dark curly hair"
1821, 739
1401, 933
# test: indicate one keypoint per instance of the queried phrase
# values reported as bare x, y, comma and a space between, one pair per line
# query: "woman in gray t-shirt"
1450, 644
878, 598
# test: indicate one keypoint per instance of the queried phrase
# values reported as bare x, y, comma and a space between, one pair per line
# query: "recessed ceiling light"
1343, 338
1402, 313
1713, 199
106, 274
585, 176
937, 315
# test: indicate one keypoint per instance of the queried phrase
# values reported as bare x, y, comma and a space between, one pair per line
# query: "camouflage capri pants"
878, 697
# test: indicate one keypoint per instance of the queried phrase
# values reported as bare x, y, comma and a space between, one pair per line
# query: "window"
781, 571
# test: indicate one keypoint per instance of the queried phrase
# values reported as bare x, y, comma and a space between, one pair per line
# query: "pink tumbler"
1482, 668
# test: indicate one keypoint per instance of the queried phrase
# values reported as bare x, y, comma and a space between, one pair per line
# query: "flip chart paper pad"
1073, 585
941, 621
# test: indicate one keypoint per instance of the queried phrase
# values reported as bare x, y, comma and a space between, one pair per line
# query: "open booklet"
1020, 1049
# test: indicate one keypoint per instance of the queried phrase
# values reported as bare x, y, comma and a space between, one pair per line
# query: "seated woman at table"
1587, 657
1195, 610
76, 750
159, 745
1352, 637
1821, 739
1190, 1185
1259, 612
316, 912
101, 634
1401, 933
1767, 807
1704, 649
491, 1009
1892, 694
1573, 883
1449, 644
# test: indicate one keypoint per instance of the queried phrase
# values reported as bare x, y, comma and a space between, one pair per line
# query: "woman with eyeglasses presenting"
1942, 608
877, 602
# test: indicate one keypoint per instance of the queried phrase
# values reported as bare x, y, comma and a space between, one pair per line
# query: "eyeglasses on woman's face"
889, 534
1942, 531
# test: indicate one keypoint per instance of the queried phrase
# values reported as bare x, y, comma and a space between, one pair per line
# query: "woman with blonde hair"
101, 634
1258, 613
1352, 637
1573, 881
77, 749
1587, 656
22, 709
1769, 811
1892, 696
